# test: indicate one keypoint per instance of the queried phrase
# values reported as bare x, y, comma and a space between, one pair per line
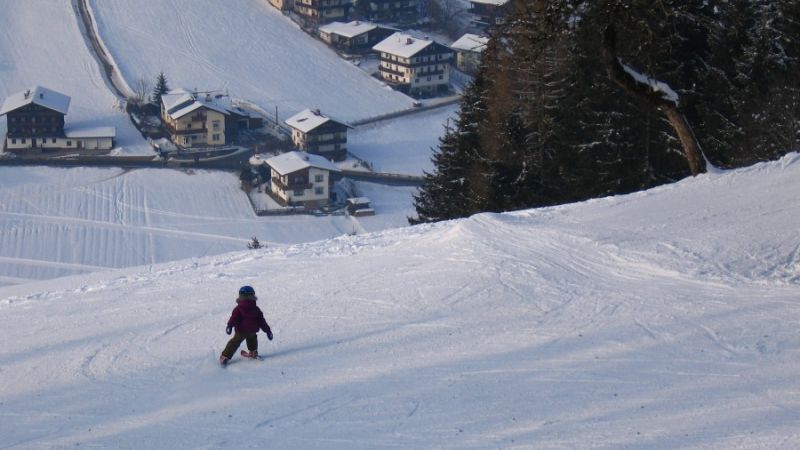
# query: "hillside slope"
42, 45
663, 319
244, 46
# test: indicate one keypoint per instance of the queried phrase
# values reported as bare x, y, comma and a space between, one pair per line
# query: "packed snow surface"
664, 319
246, 47
56, 222
43, 45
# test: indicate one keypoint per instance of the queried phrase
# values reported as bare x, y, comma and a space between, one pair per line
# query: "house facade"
353, 37
316, 133
488, 13
468, 52
282, 5
193, 120
398, 11
318, 12
418, 67
36, 124
300, 178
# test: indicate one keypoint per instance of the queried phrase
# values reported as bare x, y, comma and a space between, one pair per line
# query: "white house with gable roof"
300, 178
468, 52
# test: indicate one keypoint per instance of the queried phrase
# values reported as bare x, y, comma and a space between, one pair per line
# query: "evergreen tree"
160, 89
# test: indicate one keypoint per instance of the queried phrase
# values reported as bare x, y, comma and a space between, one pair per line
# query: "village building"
197, 120
488, 13
300, 178
36, 124
282, 5
468, 52
396, 11
314, 13
353, 37
418, 67
316, 133
359, 207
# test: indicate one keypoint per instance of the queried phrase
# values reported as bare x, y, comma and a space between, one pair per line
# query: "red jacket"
247, 317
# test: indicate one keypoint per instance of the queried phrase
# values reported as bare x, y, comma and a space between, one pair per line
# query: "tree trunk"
657, 98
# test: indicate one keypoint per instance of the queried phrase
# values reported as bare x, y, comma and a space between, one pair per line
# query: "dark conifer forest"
579, 99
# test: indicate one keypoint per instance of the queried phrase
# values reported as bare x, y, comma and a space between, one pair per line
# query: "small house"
353, 37
396, 11
300, 178
193, 120
468, 52
419, 67
314, 13
359, 207
488, 13
316, 133
36, 124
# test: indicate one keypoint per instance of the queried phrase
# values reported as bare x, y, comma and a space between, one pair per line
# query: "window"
69, 143
319, 190
215, 137
186, 140
298, 192
188, 126
22, 141
441, 77
215, 125
319, 178
13, 141
54, 140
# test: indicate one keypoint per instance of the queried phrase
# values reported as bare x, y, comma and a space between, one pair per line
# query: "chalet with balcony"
488, 13
314, 13
36, 124
396, 11
316, 133
353, 37
468, 50
196, 120
418, 67
300, 178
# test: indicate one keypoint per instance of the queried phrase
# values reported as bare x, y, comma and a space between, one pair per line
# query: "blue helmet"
247, 292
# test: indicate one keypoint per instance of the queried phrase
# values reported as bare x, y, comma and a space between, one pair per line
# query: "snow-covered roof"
293, 161
180, 102
307, 120
402, 44
470, 42
490, 2
90, 132
348, 30
358, 200
37, 95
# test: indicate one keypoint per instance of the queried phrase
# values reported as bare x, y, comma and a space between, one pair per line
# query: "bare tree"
141, 90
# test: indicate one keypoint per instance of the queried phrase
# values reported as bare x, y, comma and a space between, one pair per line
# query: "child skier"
247, 319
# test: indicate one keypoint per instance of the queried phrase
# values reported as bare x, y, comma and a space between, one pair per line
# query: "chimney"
409, 41
27, 94
316, 112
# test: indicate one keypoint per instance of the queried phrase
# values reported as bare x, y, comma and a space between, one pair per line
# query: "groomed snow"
245, 46
664, 319
42, 45
58, 222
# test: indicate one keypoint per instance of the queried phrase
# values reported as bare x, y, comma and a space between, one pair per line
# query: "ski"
246, 354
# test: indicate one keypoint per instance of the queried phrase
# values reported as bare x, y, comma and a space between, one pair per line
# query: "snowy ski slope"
244, 46
664, 319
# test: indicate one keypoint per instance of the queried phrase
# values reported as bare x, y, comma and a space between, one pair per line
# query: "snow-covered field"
57, 222
403, 145
42, 44
244, 46
665, 319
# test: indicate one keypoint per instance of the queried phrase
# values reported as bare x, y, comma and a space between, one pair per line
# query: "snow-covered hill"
56, 222
42, 44
245, 46
664, 319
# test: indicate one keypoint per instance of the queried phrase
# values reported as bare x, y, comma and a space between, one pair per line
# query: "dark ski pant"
236, 341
